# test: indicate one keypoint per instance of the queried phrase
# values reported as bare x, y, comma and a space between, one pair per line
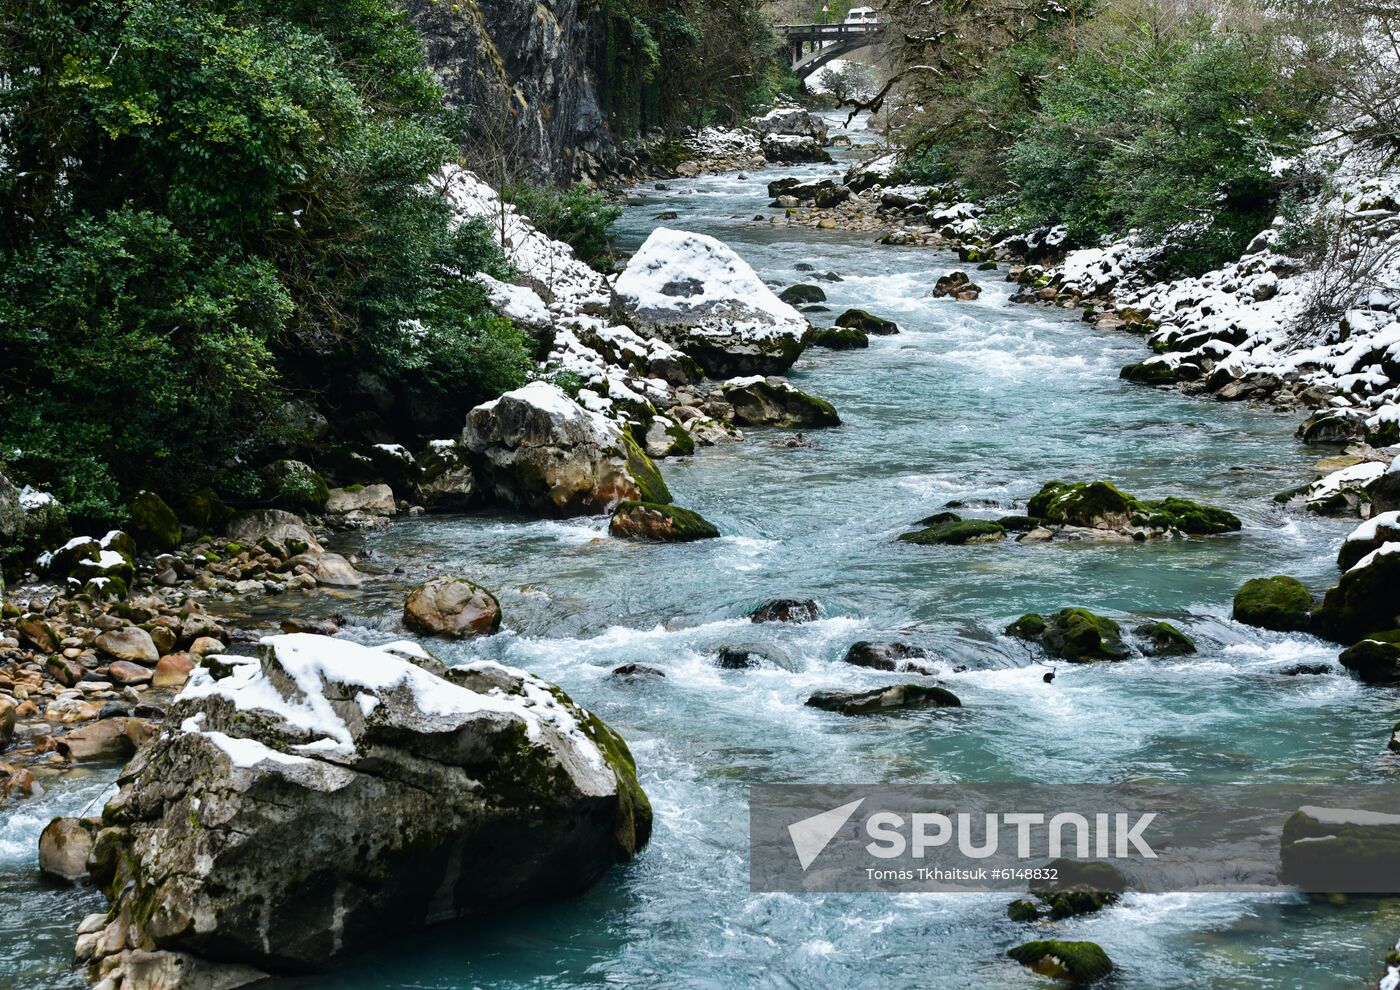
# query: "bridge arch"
811, 46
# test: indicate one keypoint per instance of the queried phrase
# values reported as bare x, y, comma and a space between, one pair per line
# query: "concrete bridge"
811, 46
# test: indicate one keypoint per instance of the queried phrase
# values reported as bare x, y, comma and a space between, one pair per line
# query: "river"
977, 402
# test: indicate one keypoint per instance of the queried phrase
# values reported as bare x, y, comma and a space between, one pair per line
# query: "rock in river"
1281, 603
452, 606
896, 697
327, 796
655, 523
1366, 600
698, 295
537, 448
759, 401
1099, 505
1073, 634
899, 657
1074, 962
787, 610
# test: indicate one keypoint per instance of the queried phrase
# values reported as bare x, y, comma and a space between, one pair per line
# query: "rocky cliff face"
522, 69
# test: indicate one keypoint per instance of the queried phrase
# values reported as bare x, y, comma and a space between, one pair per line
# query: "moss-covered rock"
859, 319
1079, 887
1073, 634
153, 523
1023, 910
1101, 505
650, 484
1325, 850
1149, 373
802, 294
295, 485
1020, 524
1375, 659
659, 523
1281, 603
1370, 536
1165, 640
1074, 962
897, 697
838, 338
957, 533
773, 402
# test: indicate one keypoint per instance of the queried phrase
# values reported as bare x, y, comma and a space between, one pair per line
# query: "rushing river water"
978, 402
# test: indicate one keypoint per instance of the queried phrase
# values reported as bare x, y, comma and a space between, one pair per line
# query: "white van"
861, 15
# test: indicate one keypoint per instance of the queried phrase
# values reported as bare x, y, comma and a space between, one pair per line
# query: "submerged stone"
957, 533
900, 657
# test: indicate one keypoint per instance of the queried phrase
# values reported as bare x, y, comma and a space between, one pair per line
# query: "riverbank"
974, 402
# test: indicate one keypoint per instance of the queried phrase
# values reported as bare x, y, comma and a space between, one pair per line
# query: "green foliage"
578, 216
1125, 118
668, 63
204, 205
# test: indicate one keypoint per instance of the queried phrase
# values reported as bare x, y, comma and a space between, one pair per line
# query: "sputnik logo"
811, 835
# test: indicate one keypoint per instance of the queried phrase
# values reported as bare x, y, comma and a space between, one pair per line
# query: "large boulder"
859, 319
285, 528
1370, 535
793, 148
1366, 600
760, 401
539, 449
29, 520
793, 121
326, 796
153, 523
1073, 634
445, 476
698, 295
1280, 602
452, 606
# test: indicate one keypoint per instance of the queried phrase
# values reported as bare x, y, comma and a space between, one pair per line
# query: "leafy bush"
577, 216
1132, 116
203, 207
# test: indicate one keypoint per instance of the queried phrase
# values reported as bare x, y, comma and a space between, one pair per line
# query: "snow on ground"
554, 292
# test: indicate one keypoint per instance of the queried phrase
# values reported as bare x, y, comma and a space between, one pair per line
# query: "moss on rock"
1149, 373
1364, 602
1281, 603
153, 523
957, 533
1101, 505
838, 338
1073, 634
802, 294
1075, 962
859, 319
659, 523
650, 484
1375, 659
1165, 640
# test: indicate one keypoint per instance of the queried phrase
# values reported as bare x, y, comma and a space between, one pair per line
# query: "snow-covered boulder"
1343, 492
539, 449
315, 800
869, 174
1370, 535
793, 148
1366, 600
792, 122
697, 294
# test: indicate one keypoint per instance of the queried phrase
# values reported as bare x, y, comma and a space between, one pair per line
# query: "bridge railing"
826, 32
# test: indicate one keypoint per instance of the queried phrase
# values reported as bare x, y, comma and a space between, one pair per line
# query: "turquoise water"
979, 402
